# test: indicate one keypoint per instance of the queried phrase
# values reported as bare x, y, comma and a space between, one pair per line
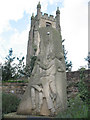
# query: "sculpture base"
16, 116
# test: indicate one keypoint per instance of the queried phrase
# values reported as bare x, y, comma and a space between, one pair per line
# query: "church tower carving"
37, 22
46, 91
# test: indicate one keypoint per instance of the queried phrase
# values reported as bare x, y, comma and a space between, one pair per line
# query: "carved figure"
46, 91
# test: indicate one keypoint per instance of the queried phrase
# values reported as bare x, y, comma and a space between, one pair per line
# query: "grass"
15, 81
76, 109
9, 103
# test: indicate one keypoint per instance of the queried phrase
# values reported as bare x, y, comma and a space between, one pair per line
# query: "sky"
15, 25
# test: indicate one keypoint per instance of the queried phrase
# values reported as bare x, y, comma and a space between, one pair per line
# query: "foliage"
82, 87
9, 103
88, 60
29, 68
33, 59
27, 71
20, 67
16, 81
8, 69
77, 109
67, 62
11, 70
78, 106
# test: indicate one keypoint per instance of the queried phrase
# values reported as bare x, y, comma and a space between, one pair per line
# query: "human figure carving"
45, 85
46, 92
48, 85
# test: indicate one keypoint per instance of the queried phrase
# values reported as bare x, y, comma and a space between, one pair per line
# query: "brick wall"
72, 79
15, 88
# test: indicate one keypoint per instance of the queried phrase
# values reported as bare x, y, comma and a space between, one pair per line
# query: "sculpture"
46, 91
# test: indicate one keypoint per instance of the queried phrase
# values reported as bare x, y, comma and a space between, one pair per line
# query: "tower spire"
58, 11
58, 19
39, 5
32, 19
38, 10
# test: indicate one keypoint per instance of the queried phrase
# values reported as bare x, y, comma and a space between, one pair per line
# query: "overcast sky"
15, 25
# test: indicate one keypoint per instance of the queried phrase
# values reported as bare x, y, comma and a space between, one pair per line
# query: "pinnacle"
58, 11
39, 5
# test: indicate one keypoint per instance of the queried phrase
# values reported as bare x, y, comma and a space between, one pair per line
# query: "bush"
33, 59
77, 109
9, 103
82, 87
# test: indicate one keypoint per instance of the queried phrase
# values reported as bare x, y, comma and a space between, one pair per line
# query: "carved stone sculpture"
46, 91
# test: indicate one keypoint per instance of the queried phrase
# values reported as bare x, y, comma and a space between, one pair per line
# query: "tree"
67, 62
29, 68
20, 67
88, 60
82, 86
8, 68
11, 70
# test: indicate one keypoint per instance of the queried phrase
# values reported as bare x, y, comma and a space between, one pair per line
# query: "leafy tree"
29, 68
82, 87
11, 70
33, 59
9, 103
67, 62
88, 60
20, 67
8, 68
27, 71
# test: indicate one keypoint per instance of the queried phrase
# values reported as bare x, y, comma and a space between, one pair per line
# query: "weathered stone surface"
46, 91
14, 115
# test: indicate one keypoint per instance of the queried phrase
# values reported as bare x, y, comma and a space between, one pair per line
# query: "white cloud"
18, 42
54, 1
3, 50
14, 9
74, 25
